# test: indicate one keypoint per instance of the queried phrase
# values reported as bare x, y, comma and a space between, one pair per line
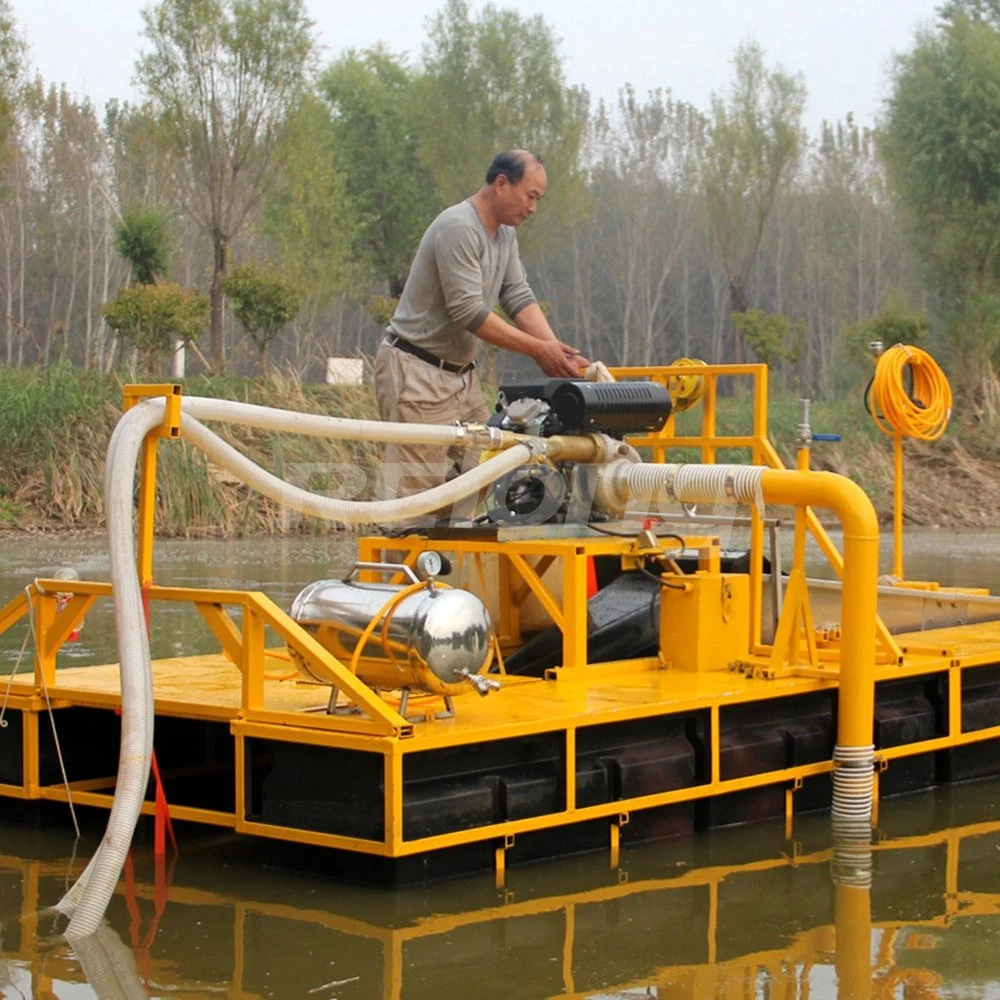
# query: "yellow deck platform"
210, 688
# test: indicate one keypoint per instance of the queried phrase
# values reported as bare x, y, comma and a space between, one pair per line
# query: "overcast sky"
843, 49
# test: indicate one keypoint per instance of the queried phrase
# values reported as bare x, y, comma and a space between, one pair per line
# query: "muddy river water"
741, 912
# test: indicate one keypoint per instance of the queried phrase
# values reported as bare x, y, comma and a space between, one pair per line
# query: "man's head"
515, 183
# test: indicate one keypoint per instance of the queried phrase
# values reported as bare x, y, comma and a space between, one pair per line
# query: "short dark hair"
511, 163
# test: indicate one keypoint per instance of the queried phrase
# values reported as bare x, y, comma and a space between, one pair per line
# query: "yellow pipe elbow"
860, 587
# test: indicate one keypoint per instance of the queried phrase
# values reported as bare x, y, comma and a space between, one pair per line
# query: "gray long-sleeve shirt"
458, 275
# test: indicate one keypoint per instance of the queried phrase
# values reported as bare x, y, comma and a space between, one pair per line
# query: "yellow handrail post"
252, 658
897, 507
42, 609
171, 428
147, 511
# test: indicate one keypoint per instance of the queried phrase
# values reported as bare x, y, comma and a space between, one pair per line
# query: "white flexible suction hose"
350, 511
86, 901
102, 874
316, 425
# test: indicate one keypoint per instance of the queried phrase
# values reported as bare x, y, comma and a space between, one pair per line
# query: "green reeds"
55, 425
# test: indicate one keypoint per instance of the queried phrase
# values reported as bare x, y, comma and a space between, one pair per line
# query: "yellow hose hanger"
919, 410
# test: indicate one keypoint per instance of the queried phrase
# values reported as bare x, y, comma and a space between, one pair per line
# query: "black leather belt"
432, 359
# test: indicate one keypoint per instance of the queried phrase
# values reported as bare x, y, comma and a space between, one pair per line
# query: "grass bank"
55, 424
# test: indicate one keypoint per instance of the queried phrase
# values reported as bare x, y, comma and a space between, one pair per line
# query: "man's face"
519, 201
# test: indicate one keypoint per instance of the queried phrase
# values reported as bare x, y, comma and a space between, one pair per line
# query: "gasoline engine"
425, 636
563, 492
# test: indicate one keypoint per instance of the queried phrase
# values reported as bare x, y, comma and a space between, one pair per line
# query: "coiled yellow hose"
923, 411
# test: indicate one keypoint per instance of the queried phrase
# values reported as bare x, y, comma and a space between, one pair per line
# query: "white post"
344, 371
177, 360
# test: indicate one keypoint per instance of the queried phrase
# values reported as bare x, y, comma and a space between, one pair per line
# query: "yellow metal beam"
534, 581
611, 809
291, 730
224, 629
210, 817
832, 554
13, 611
66, 620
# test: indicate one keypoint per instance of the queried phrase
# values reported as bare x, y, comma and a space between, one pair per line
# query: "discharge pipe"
854, 753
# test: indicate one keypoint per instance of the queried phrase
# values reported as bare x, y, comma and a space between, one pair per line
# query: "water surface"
743, 912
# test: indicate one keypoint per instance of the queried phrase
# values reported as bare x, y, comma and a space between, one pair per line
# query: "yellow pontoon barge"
759, 685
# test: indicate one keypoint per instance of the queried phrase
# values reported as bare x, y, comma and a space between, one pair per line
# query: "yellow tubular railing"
762, 453
244, 646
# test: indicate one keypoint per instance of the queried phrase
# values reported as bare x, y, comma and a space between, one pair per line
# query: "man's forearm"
531, 320
500, 333
539, 343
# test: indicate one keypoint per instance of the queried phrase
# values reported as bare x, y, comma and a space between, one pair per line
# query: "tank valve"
484, 685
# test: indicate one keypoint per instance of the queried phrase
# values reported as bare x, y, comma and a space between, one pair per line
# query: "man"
467, 261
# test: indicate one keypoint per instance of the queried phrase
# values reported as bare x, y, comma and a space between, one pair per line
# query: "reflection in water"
108, 965
732, 914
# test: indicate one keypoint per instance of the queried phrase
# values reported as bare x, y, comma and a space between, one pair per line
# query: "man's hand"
559, 360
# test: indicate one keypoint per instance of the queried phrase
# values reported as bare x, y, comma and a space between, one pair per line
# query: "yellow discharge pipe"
859, 596
853, 756
854, 752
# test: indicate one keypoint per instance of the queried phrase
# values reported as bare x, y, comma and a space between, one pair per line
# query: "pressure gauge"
429, 565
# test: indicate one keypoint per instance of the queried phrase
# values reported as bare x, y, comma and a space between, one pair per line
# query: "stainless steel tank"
436, 639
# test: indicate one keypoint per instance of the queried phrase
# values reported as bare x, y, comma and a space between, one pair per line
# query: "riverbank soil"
944, 485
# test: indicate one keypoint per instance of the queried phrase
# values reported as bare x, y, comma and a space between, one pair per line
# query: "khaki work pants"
412, 391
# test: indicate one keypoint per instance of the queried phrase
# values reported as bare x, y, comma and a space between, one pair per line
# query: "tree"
154, 317
754, 139
775, 339
372, 101
495, 83
645, 196
306, 214
942, 152
263, 302
11, 69
985, 11
894, 324
227, 76
142, 237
